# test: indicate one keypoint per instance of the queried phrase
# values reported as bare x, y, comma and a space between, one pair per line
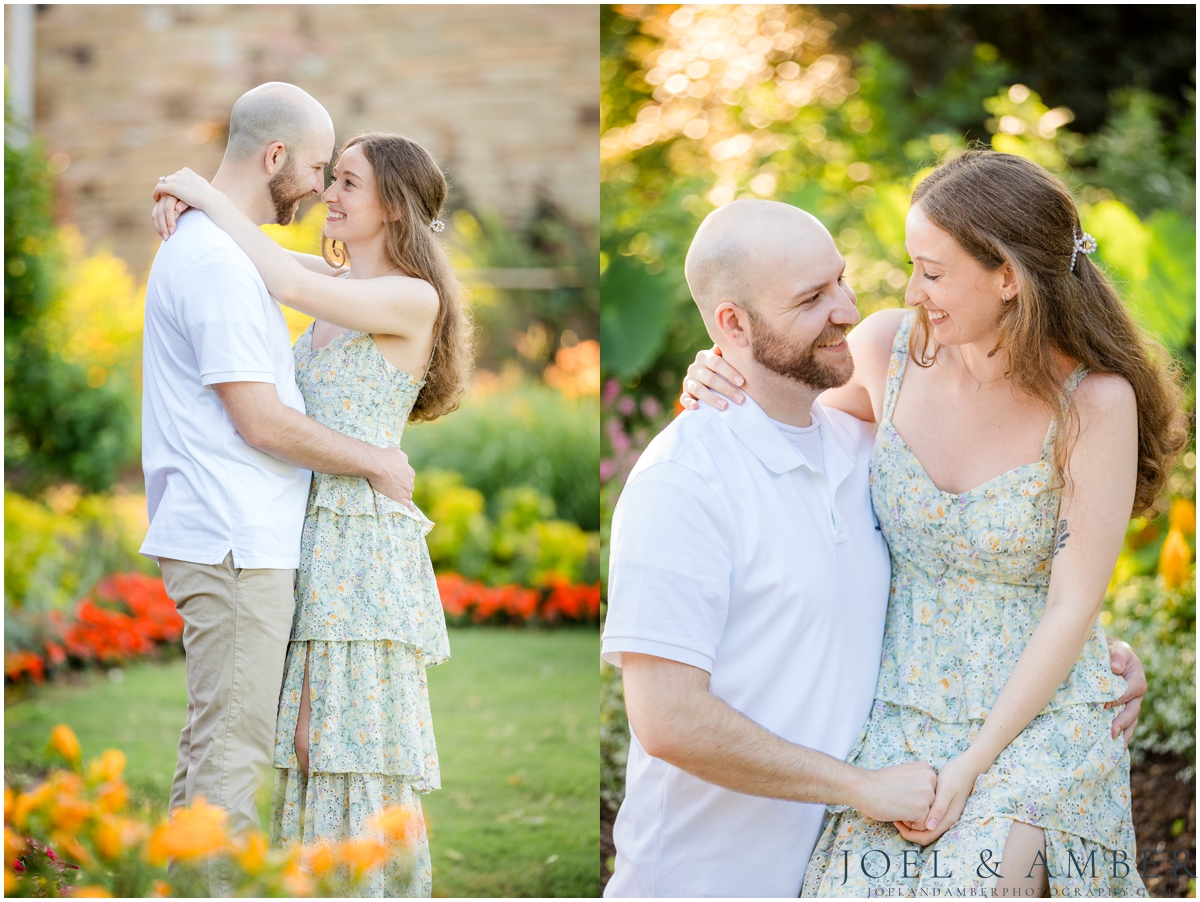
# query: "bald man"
748, 585
227, 453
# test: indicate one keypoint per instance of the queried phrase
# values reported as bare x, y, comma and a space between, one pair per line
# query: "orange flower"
112, 797
64, 742
253, 854
400, 824
321, 859
114, 835
107, 767
10, 882
160, 889
1174, 560
66, 842
295, 881
364, 854
92, 892
1183, 516
28, 802
14, 845
69, 812
194, 832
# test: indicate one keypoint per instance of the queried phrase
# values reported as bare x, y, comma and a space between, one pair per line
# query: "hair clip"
1085, 244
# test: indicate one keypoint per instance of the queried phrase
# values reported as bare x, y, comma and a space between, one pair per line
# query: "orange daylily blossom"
399, 824
64, 742
108, 766
113, 835
194, 832
321, 859
364, 854
1174, 560
253, 853
1183, 516
112, 797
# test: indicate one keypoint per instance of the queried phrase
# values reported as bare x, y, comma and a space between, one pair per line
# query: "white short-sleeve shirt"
732, 554
209, 319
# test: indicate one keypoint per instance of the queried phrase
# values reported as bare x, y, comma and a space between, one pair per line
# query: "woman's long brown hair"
412, 188
1002, 208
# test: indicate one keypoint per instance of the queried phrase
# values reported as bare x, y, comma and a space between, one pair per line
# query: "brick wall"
505, 97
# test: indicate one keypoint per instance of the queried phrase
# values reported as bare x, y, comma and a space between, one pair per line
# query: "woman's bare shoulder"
1102, 393
871, 340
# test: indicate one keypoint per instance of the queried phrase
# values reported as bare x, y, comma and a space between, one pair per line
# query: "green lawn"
516, 717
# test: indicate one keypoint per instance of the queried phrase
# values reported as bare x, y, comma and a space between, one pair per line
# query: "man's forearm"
721, 745
676, 718
299, 440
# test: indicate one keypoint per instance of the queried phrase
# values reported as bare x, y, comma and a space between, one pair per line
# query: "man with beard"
227, 453
748, 586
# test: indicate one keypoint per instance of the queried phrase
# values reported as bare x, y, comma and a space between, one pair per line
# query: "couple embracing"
279, 499
859, 635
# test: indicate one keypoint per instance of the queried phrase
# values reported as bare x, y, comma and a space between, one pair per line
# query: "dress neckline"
896, 379
355, 336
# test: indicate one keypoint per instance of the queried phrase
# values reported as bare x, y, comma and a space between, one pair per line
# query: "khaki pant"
236, 625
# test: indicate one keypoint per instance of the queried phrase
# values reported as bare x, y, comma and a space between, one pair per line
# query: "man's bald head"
275, 111
742, 247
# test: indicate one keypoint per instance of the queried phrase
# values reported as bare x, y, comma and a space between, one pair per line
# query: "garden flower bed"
74, 835
129, 616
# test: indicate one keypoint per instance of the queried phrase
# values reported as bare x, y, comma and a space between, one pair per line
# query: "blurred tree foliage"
66, 414
532, 322
1074, 56
704, 104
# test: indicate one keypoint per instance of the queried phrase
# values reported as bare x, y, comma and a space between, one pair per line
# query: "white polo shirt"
209, 319
732, 554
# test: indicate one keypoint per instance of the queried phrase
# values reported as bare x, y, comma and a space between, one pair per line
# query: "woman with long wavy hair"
391, 344
1022, 418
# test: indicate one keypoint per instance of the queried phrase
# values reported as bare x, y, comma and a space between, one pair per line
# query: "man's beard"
285, 191
787, 358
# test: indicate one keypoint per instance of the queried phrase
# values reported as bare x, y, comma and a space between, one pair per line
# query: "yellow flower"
64, 742
93, 892
253, 854
195, 832
107, 767
1174, 560
399, 824
1183, 516
10, 882
364, 854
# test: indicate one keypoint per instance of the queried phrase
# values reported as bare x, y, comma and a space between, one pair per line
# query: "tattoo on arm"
1061, 536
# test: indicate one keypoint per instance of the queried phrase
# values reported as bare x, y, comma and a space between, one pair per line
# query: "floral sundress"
970, 574
369, 619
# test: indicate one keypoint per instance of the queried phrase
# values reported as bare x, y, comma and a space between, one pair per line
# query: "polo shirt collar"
759, 433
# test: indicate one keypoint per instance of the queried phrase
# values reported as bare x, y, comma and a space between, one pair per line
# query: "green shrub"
527, 435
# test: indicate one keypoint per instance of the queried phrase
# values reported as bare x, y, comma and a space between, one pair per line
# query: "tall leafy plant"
61, 422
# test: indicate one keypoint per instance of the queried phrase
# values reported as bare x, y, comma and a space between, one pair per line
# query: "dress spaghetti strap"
895, 373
